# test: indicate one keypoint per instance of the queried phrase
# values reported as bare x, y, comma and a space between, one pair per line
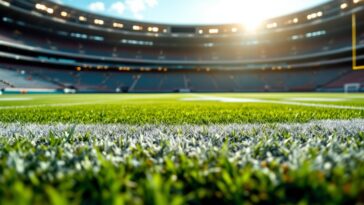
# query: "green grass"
160, 149
169, 109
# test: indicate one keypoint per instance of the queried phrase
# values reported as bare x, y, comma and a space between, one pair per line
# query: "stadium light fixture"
82, 18
118, 25
213, 30
99, 22
344, 6
50, 10
137, 28
311, 16
43, 7
234, 29
64, 14
153, 29
314, 15
40, 7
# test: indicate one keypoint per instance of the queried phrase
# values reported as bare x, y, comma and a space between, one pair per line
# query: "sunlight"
251, 23
251, 14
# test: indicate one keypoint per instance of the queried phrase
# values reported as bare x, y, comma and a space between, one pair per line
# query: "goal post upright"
354, 57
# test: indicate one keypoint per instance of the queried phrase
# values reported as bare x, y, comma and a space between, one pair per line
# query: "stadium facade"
47, 47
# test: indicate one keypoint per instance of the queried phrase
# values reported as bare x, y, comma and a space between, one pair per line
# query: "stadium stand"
172, 81
351, 77
22, 79
47, 45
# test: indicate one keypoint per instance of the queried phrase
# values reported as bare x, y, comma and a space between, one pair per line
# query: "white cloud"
151, 3
135, 7
97, 6
117, 7
138, 6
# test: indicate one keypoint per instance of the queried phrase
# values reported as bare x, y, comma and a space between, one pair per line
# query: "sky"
193, 11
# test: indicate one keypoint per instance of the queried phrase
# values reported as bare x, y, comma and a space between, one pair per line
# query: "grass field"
182, 149
180, 109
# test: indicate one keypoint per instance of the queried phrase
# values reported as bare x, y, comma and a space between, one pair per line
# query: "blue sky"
193, 11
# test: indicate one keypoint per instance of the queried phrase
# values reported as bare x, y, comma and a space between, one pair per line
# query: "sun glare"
251, 24
251, 14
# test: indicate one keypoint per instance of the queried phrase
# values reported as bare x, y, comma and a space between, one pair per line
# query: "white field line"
316, 105
44, 105
136, 97
15, 99
248, 100
227, 100
355, 97
317, 99
340, 127
74, 104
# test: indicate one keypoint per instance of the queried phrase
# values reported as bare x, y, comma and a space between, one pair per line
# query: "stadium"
97, 109
305, 51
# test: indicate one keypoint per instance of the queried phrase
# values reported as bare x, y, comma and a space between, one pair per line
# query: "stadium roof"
192, 11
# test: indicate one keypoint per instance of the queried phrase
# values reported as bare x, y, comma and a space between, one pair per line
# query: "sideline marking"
15, 99
317, 99
42, 105
223, 99
232, 100
76, 104
344, 107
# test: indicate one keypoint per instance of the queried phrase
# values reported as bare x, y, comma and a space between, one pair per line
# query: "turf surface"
182, 149
174, 109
